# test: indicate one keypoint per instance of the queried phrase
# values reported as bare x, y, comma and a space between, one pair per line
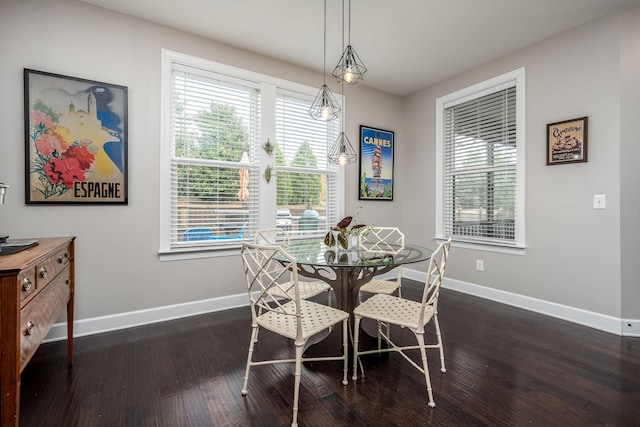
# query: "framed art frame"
75, 140
376, 164
567, 141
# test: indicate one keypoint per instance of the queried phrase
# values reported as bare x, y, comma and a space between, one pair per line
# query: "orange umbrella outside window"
243, 193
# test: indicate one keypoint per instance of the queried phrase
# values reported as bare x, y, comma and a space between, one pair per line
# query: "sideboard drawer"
37, 317
27, 285
47, 269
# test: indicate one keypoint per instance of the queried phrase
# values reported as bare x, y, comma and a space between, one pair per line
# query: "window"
480, 152
304, 175
213, 193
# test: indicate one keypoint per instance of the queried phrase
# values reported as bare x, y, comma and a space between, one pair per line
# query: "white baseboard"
96, 325
630, 328
118, 321
599, 321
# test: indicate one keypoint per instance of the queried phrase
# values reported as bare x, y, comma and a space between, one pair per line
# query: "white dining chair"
296, 318
412, 315
385, 240
308, 288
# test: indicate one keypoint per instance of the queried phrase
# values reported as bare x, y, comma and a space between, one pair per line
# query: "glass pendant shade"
324, 107
350, 69
342, 151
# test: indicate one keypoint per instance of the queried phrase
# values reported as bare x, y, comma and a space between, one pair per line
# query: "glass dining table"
347, 270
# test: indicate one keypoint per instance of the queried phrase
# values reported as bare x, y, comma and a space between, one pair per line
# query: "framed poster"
376, 164
75, 140
567, 141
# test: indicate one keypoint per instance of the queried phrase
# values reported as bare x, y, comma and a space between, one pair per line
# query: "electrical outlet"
599, 201
479, 265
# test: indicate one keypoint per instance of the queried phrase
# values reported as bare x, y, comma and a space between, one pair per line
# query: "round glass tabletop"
315, 252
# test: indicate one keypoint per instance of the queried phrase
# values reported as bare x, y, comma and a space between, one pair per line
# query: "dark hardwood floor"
505, 367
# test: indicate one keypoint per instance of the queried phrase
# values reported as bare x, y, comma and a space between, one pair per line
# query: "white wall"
573, 255
629, 170
117, 267
576, 256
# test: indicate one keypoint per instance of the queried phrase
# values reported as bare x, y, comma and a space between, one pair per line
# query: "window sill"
197, 253
486, 246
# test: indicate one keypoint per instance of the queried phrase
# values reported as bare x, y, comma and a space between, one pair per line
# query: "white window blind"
306, 181
480, 168
214, 170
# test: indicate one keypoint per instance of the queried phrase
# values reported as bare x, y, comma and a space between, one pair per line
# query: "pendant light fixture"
350, 69
324, 107
342, 151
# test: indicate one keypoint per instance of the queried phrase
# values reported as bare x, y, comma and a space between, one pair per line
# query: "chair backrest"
435, 273
197, 233
265, 267
271, 236
383, 239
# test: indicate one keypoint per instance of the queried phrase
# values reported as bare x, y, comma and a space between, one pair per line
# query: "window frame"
515, 78
266, 203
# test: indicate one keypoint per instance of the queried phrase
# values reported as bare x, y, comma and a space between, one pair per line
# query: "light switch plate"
599, 201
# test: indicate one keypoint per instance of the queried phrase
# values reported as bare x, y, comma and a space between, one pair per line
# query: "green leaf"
342, 239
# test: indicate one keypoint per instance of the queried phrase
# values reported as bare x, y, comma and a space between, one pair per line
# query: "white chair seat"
306, 290
314, 319
380, 286
391, 309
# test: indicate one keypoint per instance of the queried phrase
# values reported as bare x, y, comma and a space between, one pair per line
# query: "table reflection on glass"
347, 270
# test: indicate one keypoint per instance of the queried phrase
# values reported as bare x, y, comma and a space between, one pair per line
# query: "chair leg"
345, 350
400, 295
296, 387
356, 337
359, 361
259, 314
440, 347
254, 338
425, 367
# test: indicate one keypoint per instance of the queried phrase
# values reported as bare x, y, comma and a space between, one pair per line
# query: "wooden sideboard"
35, 286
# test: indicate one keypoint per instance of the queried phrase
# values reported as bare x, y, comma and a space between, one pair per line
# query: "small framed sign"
567, 141
376, 164
75, 140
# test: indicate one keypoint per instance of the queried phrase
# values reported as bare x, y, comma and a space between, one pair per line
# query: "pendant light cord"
324, 47
349, 32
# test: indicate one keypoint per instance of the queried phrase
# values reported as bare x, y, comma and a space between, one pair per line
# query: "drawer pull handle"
67, 282
66, 254
60, 259
26, 284
30, 328
43, 273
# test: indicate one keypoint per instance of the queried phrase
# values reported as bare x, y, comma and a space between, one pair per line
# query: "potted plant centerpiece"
345, 234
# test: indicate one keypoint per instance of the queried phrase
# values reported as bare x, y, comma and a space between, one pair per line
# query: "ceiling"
407, 45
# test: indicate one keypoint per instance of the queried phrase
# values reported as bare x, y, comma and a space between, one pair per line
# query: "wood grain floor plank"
505, 367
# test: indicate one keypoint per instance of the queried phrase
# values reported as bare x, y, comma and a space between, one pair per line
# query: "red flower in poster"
60, 160
81, 154
65, 171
